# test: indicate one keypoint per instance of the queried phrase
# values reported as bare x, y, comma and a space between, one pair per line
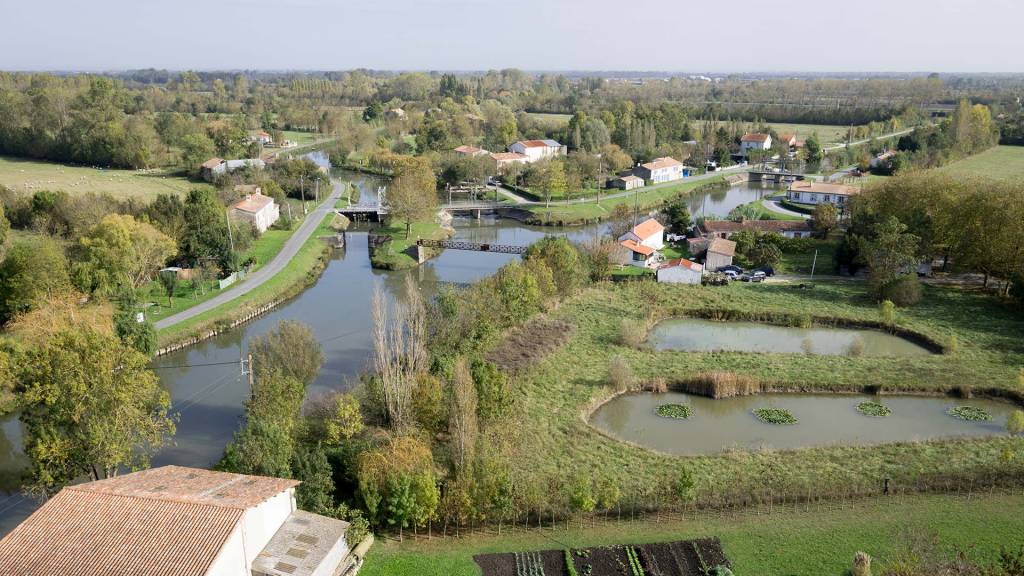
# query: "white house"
256, 209
680, 271
627, 182
661, 170
177, 521
810, 192
263, 138
720, 253
505, 160
467, 150
648, 233
535, 150
755, 141
638, 255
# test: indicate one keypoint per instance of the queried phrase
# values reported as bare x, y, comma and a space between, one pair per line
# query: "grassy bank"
31, 176
591, 212
301, 271
1001, 162
797, 541
554, 397
398, 253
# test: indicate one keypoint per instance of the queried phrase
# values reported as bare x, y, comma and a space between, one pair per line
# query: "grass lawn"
649, 197
673, 251
33, 175
763, 213
263, 250
393, 255
632, 271
553, 442
802, 262
1001, 162
301, 270
552, 120
794, 541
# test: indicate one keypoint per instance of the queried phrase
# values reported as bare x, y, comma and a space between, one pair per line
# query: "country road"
866, 140
266, 272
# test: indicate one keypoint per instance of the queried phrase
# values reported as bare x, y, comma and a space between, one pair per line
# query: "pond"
205, 383
822, 419
695, 335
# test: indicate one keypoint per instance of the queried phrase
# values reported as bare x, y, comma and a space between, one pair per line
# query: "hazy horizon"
788, 37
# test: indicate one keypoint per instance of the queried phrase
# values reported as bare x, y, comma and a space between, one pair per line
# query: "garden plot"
680, 558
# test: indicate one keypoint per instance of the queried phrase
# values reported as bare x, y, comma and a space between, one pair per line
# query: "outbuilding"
720, 254
680, 271
256, 209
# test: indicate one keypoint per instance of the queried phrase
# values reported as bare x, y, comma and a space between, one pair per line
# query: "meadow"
1001, 162
792, 540
31, 176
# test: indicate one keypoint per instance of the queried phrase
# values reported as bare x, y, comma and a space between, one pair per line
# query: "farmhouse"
466, 150
535, 150
649, 233
787, 228
211, 169
680, 271
788, 140
720, 253
505, 160
755, 141
176, 521
661, 170
627, 182
256, 209
637, 254
808, 192
263, 138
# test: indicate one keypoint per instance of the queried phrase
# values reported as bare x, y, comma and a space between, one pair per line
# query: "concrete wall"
261, 523
231, 560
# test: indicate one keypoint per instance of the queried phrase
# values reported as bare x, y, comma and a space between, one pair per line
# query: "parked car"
768, 270
731, 274
752, 278
731, 268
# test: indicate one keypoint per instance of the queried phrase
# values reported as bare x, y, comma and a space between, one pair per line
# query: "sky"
642, 35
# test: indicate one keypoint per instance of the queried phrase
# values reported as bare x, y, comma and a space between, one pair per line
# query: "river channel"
205, 381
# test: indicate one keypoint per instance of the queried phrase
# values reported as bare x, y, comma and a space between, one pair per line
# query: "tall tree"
90, 406
33, 269
462, 422
412, 195
120, 253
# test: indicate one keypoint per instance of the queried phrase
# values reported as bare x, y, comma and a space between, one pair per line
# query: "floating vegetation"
680, 411
775, 415
971, 413
874, 409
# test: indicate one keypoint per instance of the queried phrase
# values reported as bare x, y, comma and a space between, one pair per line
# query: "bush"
903, 291
874, 409
632, 332
620, 375
1015, 423
679, 411
861, 565
722, 385
779, 416
970, 413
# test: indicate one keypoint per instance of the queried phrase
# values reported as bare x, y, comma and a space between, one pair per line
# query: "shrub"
684, 485
680, 411
656, 385
856, 348
874, 409
632, 332
721, 385
970, 413
1015, 423
861, 564
952, 345
887, 313
620, 375
775, 416
903, 291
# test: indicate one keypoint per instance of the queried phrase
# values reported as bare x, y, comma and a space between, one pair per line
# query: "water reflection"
695, 335
719, 425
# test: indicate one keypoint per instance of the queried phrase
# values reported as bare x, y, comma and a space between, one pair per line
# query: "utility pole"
302, 190
227, 219
317, 193
247, 371
814, 263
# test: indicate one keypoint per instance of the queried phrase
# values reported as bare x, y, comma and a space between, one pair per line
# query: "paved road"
266, 272
866, 140
774, 206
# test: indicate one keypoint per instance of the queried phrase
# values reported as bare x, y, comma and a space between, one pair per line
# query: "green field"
301, 270
1001, 162
827, 134
791, 541
31, 176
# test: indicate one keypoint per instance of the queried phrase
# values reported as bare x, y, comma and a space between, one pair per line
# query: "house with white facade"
263, 138
755, 141
680, 271
177, 521
467, 150
627, 182
643, 242
258, 210
505, 160
813, 192
535, 150
726, 228
661, 170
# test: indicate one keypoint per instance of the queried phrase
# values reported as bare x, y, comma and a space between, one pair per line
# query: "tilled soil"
680, 558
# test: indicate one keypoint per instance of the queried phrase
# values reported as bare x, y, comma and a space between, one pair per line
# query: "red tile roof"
659, 163
823, 188
467, 149
729, 226
638, 248
682, 262
253, 203
505, 156
648, 228
211, 163
756, 137
722, 246
533, 143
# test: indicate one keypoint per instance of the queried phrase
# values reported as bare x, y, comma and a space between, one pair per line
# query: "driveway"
266, 272
774, 206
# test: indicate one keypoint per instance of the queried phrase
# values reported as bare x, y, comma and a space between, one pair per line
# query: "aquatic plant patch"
775, 415
679, 411
874, 409
971, 413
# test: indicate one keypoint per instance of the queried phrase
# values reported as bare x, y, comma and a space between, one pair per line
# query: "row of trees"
970, 224
971, 129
